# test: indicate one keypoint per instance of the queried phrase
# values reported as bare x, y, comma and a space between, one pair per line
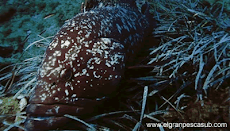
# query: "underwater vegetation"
181, 76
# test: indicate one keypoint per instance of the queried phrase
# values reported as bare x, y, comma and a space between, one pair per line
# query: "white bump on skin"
77, 74
90, 67
87, 35
52, 62
57, 108
57, 53
106, 40
96, 76
50, 57
63, 72
74, 95
52, 87
43, 97
65, 44
79, 32
86, 45
73, 24
67, 98
66, 92
53, 45
56, 98
107, 64
84, 71
110, 77
67, 84
71, 64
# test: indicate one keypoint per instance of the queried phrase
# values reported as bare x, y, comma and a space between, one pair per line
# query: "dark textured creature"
7, 15
85, 62
6, 51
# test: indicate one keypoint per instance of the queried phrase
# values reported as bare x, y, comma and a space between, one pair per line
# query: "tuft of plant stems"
194, 41
19, 78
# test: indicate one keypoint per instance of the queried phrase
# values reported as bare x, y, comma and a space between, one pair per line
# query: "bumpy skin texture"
84, 64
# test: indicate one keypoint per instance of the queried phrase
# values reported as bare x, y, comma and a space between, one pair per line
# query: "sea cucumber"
84, 63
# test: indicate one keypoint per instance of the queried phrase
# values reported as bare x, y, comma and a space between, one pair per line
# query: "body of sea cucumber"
84, 64
86, 58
